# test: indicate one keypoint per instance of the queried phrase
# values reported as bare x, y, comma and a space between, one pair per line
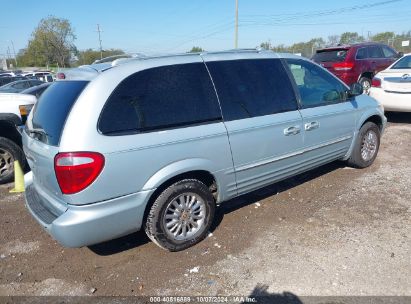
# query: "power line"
268, 20
223, 28
280, 17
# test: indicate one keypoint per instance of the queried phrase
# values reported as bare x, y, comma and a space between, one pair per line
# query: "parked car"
356, 62
8, 79
7, 74
392, 87
89, 71
19, 85
44, 76
37, 90
156, 144
14, 109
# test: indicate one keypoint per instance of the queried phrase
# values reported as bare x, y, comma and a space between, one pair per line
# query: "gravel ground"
334, 231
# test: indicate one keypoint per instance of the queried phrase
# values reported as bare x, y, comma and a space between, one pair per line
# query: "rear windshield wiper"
38, 131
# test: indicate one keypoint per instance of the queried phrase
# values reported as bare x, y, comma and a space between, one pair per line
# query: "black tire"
365, 82
357, 158
155, 225
9, 152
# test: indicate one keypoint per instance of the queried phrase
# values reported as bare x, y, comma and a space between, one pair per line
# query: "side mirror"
400, 54
355, 90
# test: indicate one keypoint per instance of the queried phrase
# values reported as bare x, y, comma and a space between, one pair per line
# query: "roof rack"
144, 57
243, 50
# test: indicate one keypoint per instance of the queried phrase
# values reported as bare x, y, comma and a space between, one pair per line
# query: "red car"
356, 62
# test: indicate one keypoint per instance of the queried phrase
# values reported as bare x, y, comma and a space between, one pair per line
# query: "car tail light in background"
76, 171
61, 76
343, 66
376, 82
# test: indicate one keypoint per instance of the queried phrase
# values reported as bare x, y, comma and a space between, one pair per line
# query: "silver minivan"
157, 143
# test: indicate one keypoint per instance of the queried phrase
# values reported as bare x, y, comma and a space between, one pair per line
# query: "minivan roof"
89, 72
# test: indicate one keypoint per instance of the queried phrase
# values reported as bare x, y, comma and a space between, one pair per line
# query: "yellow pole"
18, 178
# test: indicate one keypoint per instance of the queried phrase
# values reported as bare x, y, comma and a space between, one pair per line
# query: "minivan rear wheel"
366, 146
181, 215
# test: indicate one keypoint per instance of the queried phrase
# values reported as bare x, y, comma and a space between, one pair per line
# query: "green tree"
398, 42
351, 37
196, 49
52, 42
306, 49
385, 37
281, 48
333, 40
266, 45
89, 56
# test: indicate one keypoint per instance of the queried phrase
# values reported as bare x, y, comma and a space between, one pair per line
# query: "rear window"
334, 55
52, 109
160, 98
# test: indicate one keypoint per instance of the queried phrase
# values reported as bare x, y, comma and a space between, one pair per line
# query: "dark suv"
356, 62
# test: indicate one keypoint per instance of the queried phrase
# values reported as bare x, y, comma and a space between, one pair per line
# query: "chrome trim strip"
396, 92
169, 143
271, 160
266, 179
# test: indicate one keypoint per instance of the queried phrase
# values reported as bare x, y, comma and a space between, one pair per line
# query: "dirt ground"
334, 231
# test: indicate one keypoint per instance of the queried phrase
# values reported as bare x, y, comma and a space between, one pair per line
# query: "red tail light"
376, 82
76, 171
61, 76
343, 66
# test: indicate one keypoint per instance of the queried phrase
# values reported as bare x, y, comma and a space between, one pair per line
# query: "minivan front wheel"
366, 146
181, 215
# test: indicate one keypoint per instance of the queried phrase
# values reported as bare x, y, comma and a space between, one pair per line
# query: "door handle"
311, 125
294, 130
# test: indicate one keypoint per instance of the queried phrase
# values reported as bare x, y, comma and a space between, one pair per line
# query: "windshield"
403, 63
332, 55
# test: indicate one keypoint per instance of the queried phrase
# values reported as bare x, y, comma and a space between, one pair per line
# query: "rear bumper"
348, 78
80, 226
398, 102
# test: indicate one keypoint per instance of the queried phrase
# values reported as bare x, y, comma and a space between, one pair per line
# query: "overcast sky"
166, 26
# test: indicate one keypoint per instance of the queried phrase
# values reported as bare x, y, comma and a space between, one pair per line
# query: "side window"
250, 88
159, 98
375, 52
388, 53
316, 86
361, 53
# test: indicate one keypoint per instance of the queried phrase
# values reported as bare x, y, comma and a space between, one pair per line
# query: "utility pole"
8, 55
236, 25
99, 39
14, 52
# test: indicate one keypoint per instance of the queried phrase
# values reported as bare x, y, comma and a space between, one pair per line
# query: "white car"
392, 86
14, 109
